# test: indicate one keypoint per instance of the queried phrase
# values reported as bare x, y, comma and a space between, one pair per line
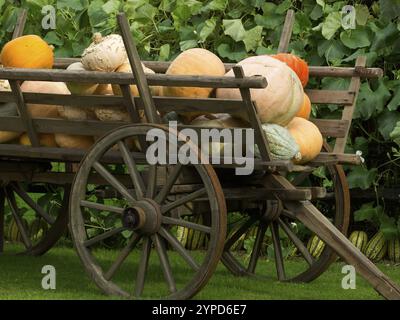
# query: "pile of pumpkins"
283, 107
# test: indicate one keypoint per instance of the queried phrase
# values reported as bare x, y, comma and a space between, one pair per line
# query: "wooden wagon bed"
268, 195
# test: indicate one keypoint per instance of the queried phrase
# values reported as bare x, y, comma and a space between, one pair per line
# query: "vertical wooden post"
259, 135
137, 69
348, 110
20, 25
24, 114
286, 32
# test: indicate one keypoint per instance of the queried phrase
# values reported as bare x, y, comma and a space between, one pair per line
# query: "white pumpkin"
80, 87
104, 53
280, 101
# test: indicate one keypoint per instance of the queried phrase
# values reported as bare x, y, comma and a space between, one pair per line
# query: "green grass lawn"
20, 278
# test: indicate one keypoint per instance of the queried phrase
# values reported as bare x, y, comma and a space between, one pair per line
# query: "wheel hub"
144, 217
272, 211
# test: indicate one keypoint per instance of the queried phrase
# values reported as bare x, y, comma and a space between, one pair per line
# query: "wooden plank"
345, 72
251, 109
24, 114
126, 78
332, 128
163, 104
340, 97
136, 65
286, 32
348, 111
20, 25
325, 158
315, 71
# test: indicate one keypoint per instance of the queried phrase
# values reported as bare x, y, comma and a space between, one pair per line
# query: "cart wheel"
46, 225
144, 214
286, 236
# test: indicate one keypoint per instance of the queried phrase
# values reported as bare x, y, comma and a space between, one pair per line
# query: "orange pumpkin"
28, 51
305, 109
45, 139
298, 65
307, 136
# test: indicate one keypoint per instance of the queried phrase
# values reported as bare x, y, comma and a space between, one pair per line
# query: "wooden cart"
152, 200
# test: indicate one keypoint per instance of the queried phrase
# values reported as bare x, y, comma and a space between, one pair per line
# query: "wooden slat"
126, 78
286, 32
325, 158
163, 104
340, 97
348, 111
315, 71
20, 25
332, 128
24, 114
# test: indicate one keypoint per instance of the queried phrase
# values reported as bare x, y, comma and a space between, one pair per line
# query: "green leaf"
209, 27
356, 38
97, 16
164, 52
283, 7
333, 50
316, 13
395, 134
390, 9
384, 37
73, 4
361, 177
367, 212
388, 227
252, 38
234, 28
52, 38
235, 54
369, 101
362, 14
386, 122
2, 2
331, 24
301, 24
111, 6
395, 102
217, 5
167, 5
187, 44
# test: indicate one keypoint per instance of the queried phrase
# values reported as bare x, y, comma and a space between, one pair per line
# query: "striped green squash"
359, 239
315, 246
376, 247
282, 144
394, 250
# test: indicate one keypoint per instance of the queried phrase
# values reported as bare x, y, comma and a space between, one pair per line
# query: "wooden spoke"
255, 254
113, 181
142, 269
289, 214
133, 171
38, 209
239, 233
280, 268
179, 248
184, 223
297, 242
182, 200
173, 176
123, 255
164, 261
101, 207
14, 210
151, 181
103, 236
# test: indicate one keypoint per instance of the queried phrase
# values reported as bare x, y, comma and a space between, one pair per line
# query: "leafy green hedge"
235, 29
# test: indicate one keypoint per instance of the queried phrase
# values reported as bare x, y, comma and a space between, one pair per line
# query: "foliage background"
235, 29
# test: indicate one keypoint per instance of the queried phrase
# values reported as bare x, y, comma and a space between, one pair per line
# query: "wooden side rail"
315, 71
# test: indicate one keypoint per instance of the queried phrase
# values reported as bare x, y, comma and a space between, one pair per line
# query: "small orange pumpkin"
307, 136
28, 51
298, 65
305, 109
